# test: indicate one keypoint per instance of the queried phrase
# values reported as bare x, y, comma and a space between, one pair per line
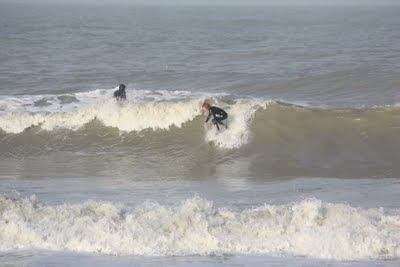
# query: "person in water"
120, 93
218, 115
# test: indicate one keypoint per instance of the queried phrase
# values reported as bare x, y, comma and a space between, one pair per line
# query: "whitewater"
143, 110
310, 228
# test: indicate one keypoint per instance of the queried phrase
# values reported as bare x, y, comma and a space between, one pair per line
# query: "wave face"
265, 137
309, 228
158, 110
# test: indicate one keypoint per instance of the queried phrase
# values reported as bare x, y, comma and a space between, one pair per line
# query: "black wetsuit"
218, 116
120, 94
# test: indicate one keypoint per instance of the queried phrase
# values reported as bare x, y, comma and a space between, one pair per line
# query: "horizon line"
202, 4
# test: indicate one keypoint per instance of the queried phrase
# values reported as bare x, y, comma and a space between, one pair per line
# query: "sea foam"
153, 110
309, 228
143, 110
238, 131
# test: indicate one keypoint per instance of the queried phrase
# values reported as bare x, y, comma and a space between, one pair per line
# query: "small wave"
144, 110
162, 110
310, 228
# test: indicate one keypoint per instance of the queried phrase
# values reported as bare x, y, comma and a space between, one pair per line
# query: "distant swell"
309, 228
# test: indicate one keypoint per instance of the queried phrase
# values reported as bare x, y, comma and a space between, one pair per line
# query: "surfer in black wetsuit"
218, 115
120, 93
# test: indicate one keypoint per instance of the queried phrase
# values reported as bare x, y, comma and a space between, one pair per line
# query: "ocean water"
307, 173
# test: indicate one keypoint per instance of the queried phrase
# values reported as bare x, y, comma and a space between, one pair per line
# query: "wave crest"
269, 122
145, 110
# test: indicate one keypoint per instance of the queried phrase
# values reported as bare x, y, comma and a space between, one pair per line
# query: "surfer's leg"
220, 122
216, 122
225, 124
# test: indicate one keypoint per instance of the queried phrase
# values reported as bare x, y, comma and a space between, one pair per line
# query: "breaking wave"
309, 228
165, 110
143, 110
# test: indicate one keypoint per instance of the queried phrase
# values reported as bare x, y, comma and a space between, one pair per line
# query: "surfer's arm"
208, 117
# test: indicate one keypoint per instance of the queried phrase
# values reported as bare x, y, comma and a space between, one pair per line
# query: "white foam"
124, 116
143, 110
26, 103
308, 228
239, 119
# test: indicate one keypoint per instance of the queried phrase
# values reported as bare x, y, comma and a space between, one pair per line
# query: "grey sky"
219, 2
